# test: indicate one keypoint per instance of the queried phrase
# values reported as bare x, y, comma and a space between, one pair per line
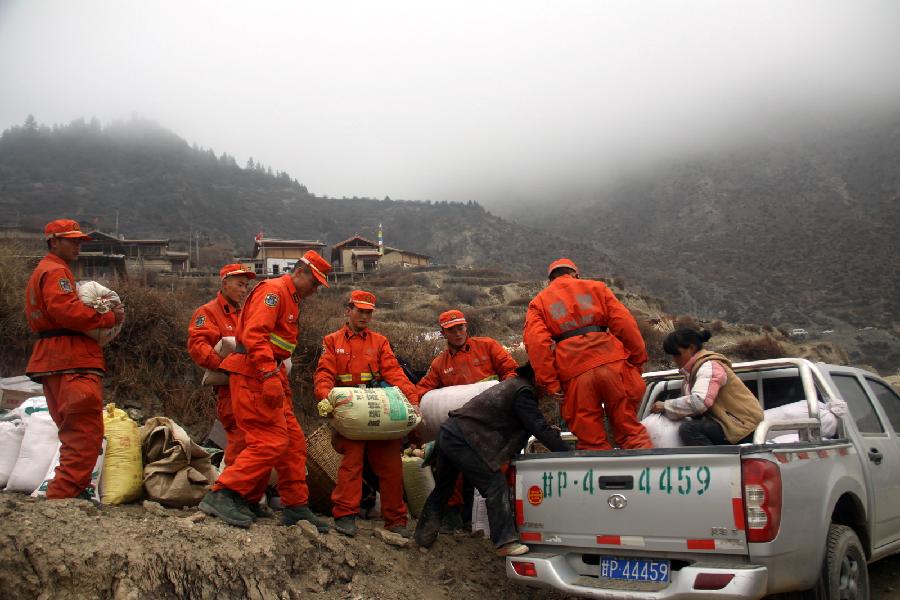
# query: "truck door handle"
875, 456
616, 482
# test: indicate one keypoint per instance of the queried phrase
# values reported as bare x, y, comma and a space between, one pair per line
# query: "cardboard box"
14, 390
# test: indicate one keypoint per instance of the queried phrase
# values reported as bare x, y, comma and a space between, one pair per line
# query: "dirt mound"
70, 549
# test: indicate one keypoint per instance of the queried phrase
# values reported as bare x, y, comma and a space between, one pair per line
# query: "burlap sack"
177, 472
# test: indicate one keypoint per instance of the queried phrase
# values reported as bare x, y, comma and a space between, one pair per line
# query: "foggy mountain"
800, 232
161, 187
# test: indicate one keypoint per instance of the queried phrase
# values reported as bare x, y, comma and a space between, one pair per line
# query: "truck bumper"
551, 571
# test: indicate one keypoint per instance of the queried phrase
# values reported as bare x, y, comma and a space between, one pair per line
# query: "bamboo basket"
322, 463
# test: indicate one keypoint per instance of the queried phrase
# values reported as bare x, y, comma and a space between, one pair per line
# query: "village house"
139, 255
362, 255
272, 256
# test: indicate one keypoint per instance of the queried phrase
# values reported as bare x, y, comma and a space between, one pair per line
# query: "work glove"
272, 391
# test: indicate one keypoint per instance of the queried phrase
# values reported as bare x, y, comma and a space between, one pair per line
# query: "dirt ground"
71, 549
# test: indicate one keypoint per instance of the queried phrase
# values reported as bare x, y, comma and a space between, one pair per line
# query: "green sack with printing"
381, 413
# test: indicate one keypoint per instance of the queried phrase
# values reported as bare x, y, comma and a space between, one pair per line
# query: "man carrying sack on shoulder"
67, 362
262, 403
353, 356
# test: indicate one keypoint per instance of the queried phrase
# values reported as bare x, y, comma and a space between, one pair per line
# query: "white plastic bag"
39, 444
663, 431
437, 403
11, 435
101, 299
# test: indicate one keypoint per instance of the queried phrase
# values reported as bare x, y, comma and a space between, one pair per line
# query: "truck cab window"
889, 401
779, 391
864, 415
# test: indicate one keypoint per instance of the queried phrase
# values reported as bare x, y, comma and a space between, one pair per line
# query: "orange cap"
363, 300
451, 318
561, 263
233, 269
65, 228
318, 265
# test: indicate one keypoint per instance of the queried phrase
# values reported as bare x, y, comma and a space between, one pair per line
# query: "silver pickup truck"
726, 521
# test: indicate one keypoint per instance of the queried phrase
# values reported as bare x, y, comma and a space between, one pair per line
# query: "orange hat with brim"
561, 263
234, 270
65, 228
362, 300
451, 318
318, 265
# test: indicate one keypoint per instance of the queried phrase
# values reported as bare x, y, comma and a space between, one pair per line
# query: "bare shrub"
15, 337
717, 326
759, 348
520, 301
686, 321
653, 340
465, 294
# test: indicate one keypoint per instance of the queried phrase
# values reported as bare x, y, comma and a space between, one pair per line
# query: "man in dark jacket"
476, 441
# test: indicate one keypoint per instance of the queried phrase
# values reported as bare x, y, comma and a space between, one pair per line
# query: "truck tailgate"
675, 500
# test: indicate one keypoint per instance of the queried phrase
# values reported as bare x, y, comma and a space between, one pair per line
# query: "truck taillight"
518, 505
762, 499
511, 476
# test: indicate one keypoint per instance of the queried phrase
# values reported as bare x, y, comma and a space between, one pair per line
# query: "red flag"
259, 236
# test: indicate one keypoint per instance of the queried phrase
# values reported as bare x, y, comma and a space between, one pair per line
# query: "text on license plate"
634, 569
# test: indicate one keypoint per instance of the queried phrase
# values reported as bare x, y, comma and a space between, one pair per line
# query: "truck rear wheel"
845, 575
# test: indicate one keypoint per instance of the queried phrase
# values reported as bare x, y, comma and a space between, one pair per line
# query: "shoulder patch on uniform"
200, 321
271, 299
65, 285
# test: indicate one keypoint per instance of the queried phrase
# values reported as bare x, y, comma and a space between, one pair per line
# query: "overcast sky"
455, 100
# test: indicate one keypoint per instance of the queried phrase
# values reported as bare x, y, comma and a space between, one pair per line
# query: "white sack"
225, 347
101, 299
213, 376
663, 431
11, 434
437, 403
29, 406
39, 444
93, 488
800, 410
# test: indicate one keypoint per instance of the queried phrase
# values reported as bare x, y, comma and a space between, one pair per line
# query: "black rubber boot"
346, 525
291, 514
222, 504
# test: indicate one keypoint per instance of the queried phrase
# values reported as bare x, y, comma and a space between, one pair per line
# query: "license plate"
634, 569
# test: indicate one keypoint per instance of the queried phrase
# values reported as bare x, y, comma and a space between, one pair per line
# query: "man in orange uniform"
466, 360
211, 322
261, 400
68, 363
354, 355
587, 351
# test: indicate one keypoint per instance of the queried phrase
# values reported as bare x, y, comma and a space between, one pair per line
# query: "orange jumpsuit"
69, 365
596, 369
267, 330
348, 360
211, 322
481, 358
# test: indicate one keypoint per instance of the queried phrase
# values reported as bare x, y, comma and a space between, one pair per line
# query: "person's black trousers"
453, 455
705, 431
